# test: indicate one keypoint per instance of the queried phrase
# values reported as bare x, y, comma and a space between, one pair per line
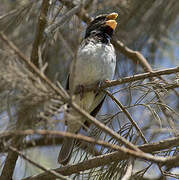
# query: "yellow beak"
111, 20
112, 16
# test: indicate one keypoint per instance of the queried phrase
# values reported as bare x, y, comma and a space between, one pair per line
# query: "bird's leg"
100, 84
106, 81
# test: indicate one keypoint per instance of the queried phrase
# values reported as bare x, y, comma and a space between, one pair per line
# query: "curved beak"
111, 20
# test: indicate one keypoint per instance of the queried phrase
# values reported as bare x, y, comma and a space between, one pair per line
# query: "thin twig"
78, 9
12, 157
48, 141
128, 116
137, 57
67, 99
104, 128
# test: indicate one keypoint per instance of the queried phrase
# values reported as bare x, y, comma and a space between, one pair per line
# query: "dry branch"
110, 157
42, 21
138, 154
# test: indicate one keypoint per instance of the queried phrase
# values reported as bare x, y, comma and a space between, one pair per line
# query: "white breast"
95, 62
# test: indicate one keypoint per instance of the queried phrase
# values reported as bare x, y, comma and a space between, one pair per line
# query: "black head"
103, 25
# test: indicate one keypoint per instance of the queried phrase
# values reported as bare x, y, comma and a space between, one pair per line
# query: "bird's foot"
106, 81
100, 84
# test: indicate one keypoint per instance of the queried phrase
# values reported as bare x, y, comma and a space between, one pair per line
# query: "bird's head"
102, 24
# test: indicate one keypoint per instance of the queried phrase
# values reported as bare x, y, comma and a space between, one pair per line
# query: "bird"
95, 62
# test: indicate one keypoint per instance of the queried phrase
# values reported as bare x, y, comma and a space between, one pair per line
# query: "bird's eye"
93, 32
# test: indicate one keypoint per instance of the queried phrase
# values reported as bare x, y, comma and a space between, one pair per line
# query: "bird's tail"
74, 122
66, 151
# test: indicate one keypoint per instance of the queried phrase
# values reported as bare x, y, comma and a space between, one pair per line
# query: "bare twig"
137, 57
49, 141
106, 129
176, 176
171, 86
78, 9
15, 11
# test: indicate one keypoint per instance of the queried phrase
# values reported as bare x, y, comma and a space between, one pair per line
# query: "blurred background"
150, 27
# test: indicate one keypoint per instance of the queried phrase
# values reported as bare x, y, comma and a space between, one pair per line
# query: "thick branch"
39, 32
9, 165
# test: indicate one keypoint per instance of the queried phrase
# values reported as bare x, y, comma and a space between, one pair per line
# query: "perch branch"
105, 159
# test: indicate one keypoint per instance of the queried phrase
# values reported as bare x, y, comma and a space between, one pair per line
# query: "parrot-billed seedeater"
95, 62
